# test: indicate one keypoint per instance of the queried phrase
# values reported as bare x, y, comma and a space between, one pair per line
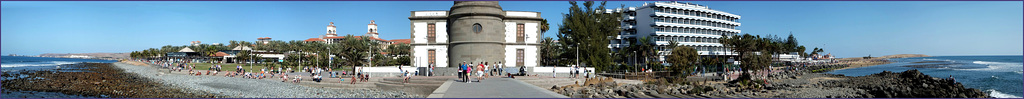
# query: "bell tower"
331, 30
371, 29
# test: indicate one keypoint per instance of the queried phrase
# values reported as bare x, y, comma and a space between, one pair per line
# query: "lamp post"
330, 61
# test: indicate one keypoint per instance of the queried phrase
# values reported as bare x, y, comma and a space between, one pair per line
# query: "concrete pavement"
493, 87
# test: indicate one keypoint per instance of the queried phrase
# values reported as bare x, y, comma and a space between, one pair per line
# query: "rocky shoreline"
907, 84
93, 80
124, 80
233, 87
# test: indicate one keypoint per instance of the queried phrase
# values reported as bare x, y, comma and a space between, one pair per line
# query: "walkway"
493, 87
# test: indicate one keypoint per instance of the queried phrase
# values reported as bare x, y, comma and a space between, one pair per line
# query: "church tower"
331, 30
371, 29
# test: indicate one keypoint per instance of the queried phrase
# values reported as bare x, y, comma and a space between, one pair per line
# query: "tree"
743, 45
550, 52
588, 29
801, 49
682, 60
816, 51
544, 27
791, 43
355, 51
243, 56
397, 52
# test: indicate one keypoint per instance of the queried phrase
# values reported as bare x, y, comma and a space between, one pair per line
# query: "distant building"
183, 53
229, 56
332, 36
195, 43
693, 25
263, 40
475, 31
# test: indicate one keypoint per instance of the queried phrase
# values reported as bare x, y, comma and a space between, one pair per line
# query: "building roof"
314, 39
263, 38
186, 49
242, 48
342, 37
220, 54
401, 41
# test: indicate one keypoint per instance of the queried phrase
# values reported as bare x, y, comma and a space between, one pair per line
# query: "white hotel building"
692, 25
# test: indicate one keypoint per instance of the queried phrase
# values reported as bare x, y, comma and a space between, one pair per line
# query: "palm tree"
549, 51
742, 44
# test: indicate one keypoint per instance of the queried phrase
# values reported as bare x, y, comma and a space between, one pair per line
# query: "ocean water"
999, 76
9, 63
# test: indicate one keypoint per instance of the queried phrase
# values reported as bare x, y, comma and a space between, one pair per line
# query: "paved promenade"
493, 87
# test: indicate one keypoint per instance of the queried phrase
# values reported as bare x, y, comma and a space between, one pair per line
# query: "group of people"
575, 72
316, 73
481, 70
359, 76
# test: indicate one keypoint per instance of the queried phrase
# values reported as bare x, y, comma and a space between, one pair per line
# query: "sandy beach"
857, 62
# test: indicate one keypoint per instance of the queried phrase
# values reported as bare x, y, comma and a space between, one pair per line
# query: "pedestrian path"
493, 87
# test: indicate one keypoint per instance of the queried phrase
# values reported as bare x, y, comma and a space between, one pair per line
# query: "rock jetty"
907, 84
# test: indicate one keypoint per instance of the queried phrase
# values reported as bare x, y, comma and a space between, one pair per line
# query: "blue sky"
843, 28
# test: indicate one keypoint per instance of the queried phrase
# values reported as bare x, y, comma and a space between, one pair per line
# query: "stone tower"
477, 31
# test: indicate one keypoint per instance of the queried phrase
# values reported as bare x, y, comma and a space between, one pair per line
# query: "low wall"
393, 71
559, 69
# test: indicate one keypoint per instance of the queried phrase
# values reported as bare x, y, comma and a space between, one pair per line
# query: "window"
520, 33
520, 57
431, 57
477, 28
431, 33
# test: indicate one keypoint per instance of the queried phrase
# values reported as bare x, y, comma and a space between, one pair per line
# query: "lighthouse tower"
331, 30
371, 29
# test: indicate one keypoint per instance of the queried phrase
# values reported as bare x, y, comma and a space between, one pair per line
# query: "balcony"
628, 18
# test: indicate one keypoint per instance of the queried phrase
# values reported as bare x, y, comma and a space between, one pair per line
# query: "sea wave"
997, 66
997, 94
987, 62
52, 63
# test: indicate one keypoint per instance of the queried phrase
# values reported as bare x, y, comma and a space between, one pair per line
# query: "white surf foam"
997, 94
997, 66
52, 63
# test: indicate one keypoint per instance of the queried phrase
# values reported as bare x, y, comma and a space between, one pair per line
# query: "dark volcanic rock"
909, 84
97, 80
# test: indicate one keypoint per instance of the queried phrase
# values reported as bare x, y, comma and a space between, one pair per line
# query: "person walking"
480, 71
462, 69
501, 68
486, 71
553, 74
431, 73
469, 72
